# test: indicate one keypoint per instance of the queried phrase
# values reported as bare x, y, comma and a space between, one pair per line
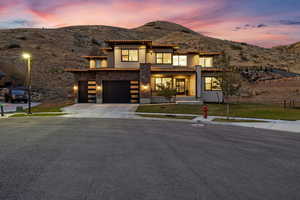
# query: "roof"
101, 69
105, 48
173, 69
206, 53
212, 69
203, 53
94, 57
153, 69
147, 42
182, 51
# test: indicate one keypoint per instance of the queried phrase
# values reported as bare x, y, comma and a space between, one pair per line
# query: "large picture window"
166, 82
206, 61
164, 58
212, 84
129, 55
179, 60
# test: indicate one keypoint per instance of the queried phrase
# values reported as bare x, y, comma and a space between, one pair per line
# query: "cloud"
290, 22
249, 26
254, 21
261, 25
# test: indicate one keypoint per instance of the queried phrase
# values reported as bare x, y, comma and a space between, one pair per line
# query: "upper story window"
92, 63
164, 58
212, 84
206, 61
129, 55
179, 60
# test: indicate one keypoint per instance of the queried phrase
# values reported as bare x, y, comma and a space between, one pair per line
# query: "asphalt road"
112, 159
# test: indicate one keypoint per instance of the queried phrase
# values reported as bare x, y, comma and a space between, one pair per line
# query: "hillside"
293, 48
56, 49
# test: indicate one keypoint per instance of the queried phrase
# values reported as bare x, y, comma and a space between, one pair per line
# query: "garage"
116, 92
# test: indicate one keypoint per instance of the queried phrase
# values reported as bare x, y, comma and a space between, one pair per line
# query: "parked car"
16, 95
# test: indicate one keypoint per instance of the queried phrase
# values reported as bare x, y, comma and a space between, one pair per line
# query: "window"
206, 61
166, 82
163, 58
92, 63
179, 60
212, 84
129, 55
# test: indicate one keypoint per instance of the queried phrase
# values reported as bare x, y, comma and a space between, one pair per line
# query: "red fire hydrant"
205, 111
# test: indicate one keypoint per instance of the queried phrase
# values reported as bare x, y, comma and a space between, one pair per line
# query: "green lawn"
236, 110
166, 116
49, 107
37, 115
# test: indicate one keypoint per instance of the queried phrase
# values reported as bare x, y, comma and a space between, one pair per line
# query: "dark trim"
128, 49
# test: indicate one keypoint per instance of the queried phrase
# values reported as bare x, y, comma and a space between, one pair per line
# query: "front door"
180, 86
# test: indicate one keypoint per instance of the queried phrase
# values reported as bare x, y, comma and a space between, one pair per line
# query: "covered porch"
183, 80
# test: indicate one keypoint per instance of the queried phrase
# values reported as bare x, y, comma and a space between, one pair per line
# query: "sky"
265, 23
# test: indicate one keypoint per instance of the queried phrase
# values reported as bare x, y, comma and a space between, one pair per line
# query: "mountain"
56, 49
293, 48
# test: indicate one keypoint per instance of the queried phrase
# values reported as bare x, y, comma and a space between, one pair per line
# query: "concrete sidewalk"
280, 125
11, 107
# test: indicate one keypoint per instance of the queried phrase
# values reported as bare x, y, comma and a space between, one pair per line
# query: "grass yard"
37, 115
49, 107
166, 116
236, 110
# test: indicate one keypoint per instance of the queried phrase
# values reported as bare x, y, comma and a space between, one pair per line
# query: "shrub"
166, 91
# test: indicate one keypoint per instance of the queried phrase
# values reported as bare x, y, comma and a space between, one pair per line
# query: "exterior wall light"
145, 87
99, 88
26, 55
75, 88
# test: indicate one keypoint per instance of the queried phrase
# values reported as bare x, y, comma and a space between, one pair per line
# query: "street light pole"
28, 58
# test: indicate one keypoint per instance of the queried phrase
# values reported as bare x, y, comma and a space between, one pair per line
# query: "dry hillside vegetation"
56, 49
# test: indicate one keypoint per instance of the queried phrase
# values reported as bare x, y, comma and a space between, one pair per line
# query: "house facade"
132, 71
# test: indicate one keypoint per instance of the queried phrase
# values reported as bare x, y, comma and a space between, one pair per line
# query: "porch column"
198, 82
99, 89
145, 83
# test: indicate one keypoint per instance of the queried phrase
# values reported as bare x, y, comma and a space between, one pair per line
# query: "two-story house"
132, 71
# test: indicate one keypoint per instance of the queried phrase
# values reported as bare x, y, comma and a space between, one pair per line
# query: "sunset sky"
262, 22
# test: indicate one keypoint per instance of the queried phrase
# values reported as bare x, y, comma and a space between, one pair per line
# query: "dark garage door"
116, 91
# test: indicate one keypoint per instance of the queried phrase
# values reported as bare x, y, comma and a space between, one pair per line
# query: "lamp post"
27, 56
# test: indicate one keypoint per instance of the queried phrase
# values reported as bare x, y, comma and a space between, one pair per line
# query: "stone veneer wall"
145, 83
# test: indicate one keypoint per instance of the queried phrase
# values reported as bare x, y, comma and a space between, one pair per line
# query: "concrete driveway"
101, 110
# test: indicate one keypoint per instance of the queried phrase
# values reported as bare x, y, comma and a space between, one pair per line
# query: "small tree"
166, 91
230, 81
